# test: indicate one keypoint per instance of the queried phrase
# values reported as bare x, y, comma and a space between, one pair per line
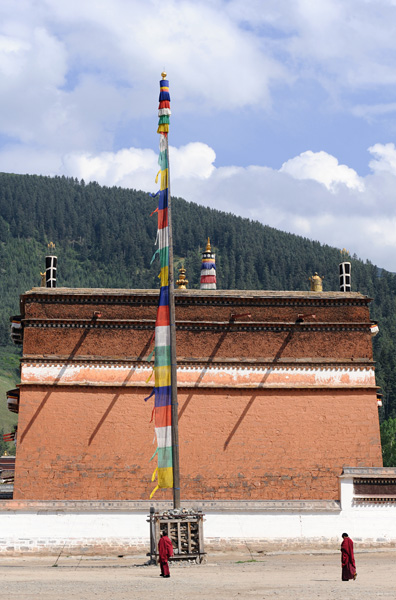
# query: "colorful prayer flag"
162, 360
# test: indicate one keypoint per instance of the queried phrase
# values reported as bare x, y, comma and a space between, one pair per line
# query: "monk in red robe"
347, 559
165, 550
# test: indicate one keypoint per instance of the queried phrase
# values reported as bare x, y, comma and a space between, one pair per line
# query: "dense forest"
105, 238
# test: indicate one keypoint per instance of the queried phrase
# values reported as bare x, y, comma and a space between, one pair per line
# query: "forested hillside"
105, 238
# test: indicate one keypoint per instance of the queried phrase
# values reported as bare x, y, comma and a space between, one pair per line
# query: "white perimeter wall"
126, 532
96, 527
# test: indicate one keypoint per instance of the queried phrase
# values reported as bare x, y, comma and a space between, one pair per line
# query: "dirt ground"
279, 576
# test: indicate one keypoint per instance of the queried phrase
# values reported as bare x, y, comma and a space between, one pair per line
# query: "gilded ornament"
182, 282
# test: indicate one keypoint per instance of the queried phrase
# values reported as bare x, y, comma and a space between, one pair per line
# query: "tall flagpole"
172, 320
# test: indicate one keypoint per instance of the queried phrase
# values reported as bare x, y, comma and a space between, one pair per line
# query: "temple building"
276, 408
276, 392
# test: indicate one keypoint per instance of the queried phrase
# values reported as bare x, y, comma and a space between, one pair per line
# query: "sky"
283, 111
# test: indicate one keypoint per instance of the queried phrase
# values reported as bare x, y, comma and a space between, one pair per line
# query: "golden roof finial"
51, 246
316, 283
208, 246
163, 74
182, 282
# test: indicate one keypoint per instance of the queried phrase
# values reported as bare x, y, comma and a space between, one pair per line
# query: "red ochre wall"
242, 444
278, 408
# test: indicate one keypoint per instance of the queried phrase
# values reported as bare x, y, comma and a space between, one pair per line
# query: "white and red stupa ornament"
208, 269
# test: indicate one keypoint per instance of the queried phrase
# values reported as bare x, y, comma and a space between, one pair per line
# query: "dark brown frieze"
206, 362
194, 325
198, 297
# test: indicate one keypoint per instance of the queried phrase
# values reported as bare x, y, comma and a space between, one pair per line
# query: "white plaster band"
198, 376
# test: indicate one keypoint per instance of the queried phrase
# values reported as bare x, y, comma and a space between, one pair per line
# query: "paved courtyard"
294, 576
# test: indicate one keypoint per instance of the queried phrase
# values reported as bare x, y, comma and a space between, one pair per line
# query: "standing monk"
165, 550
347, 559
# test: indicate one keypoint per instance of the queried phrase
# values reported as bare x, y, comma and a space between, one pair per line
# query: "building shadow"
109, 408
267, 373
205, 369
56, 381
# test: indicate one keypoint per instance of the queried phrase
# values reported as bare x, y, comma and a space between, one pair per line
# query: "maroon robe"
347, 560
165, 550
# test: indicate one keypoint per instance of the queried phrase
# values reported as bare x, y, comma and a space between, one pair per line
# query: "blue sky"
282, 110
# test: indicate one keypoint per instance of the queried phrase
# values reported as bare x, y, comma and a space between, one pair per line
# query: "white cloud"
324, 168
345, 46
220, 55
130, 167
191, 161
137, 168
32, 67
211, 60
371, 112
384, 158
76, 73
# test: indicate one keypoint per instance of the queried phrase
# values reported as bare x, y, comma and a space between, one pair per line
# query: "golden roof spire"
316, 283
182, 282
208, 269
163, 74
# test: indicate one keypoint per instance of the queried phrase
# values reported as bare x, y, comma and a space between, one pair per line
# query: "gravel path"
271, 576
